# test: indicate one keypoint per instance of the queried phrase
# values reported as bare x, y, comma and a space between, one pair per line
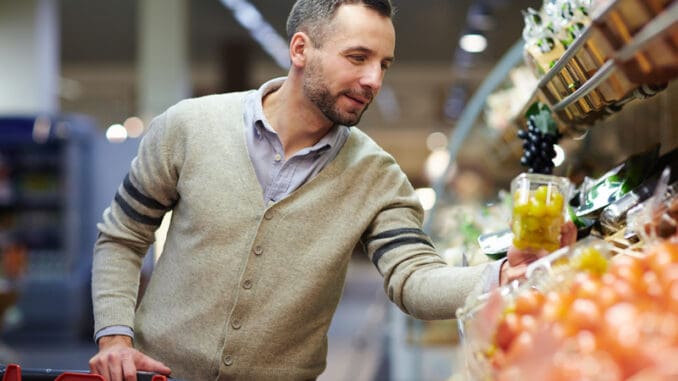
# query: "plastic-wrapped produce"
582, 314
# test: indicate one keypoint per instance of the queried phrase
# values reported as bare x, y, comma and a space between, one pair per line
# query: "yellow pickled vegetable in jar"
537, 218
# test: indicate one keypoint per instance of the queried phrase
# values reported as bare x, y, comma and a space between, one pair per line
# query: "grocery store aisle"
355, 336
357, 332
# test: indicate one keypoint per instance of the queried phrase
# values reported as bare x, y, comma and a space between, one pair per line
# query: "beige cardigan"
247, 292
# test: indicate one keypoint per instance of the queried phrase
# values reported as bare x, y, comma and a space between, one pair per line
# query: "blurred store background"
80, 79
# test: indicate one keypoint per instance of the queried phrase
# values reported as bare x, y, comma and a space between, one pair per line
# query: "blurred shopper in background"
270, 190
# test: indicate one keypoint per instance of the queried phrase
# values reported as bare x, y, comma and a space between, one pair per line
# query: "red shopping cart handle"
13, 372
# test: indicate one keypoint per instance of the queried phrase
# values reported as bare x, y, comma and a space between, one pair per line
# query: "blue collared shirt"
279, 177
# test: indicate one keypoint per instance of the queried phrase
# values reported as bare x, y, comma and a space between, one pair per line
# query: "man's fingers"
149, 364
129, 370
568, 234
114, 367
510, 273
517, 256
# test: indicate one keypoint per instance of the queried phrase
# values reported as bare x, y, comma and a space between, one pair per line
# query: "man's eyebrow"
365, 50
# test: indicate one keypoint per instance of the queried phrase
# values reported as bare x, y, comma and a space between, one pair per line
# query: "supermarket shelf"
657, 28
563, 89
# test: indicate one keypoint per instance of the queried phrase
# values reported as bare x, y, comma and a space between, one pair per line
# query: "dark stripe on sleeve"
142, 199
397, 243
393, 233
133, 214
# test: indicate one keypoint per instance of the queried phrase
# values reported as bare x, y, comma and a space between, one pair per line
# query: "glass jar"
539, 210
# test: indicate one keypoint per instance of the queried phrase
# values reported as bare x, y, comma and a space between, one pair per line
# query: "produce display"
551, 30
605, 308
591, 319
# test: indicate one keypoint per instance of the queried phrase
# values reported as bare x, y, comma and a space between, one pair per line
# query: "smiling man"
270, 190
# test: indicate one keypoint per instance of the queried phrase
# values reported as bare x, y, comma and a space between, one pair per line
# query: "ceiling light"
427, 197
134, 126
116, 133
560, 155
473, 42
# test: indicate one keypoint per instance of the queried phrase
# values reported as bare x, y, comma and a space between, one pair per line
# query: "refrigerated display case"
597, 134
46, 232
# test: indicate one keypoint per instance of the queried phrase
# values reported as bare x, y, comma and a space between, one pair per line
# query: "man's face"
343, 76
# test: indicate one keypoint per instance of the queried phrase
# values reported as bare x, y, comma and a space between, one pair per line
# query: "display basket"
14, 372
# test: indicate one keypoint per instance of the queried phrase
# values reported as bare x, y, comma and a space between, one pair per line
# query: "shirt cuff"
114, 330
491, 275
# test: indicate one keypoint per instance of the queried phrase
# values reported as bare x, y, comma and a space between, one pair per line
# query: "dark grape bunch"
538, 150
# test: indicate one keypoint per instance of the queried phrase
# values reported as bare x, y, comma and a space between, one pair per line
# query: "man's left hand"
517, 260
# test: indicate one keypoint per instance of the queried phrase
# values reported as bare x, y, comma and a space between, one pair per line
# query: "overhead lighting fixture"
260, 30
473, 42
436, 141
560, 155
427, 197
116, 133
134, 126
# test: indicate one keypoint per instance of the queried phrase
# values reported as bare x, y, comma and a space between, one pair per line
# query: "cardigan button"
247, 284
258, 250
269, 214
236, 324
228, 360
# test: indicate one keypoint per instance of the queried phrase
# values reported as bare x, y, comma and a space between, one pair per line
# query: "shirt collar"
254, 110
255, 118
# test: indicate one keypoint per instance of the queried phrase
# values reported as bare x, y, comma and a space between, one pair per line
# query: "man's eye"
358, 59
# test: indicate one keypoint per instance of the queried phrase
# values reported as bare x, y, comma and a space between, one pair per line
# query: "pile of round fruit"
608, 321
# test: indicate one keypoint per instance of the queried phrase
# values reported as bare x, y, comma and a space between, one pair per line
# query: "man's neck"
296, 121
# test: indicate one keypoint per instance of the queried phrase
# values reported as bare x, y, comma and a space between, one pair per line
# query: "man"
246, 288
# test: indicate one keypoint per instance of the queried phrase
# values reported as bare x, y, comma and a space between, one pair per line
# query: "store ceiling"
99, 33
105, 31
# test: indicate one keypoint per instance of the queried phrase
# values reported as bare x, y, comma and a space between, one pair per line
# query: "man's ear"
299, 45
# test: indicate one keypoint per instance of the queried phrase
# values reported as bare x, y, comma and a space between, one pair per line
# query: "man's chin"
349, 120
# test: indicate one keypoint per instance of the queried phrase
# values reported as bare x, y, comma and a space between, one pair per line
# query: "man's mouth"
362, 100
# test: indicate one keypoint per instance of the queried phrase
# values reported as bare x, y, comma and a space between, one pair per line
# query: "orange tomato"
586, 342
622, 289
583, 314
586, 285
529, 302
621, 337
555, 306
507, 330
629, 269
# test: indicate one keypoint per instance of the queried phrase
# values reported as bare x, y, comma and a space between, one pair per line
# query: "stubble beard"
320, 95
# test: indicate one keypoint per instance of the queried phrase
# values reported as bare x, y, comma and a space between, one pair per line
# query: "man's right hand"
117, 360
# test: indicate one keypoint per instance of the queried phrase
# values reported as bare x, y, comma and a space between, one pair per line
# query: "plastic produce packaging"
582, 314
539, 210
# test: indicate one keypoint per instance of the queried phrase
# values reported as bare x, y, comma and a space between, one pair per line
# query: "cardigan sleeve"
127, 229
416, 278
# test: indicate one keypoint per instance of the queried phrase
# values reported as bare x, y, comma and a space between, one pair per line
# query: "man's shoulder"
362, 144
212, 102
205, 114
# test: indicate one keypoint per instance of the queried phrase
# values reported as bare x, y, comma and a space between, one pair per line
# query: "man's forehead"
362, 26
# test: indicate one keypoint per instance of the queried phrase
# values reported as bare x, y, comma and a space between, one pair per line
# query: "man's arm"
126, 233
416, 278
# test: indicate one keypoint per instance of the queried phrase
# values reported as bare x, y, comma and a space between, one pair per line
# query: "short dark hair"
312, 16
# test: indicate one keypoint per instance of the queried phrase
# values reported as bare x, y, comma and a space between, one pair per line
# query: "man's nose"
372, 77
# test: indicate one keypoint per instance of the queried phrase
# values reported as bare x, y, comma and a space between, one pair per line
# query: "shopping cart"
13, 372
